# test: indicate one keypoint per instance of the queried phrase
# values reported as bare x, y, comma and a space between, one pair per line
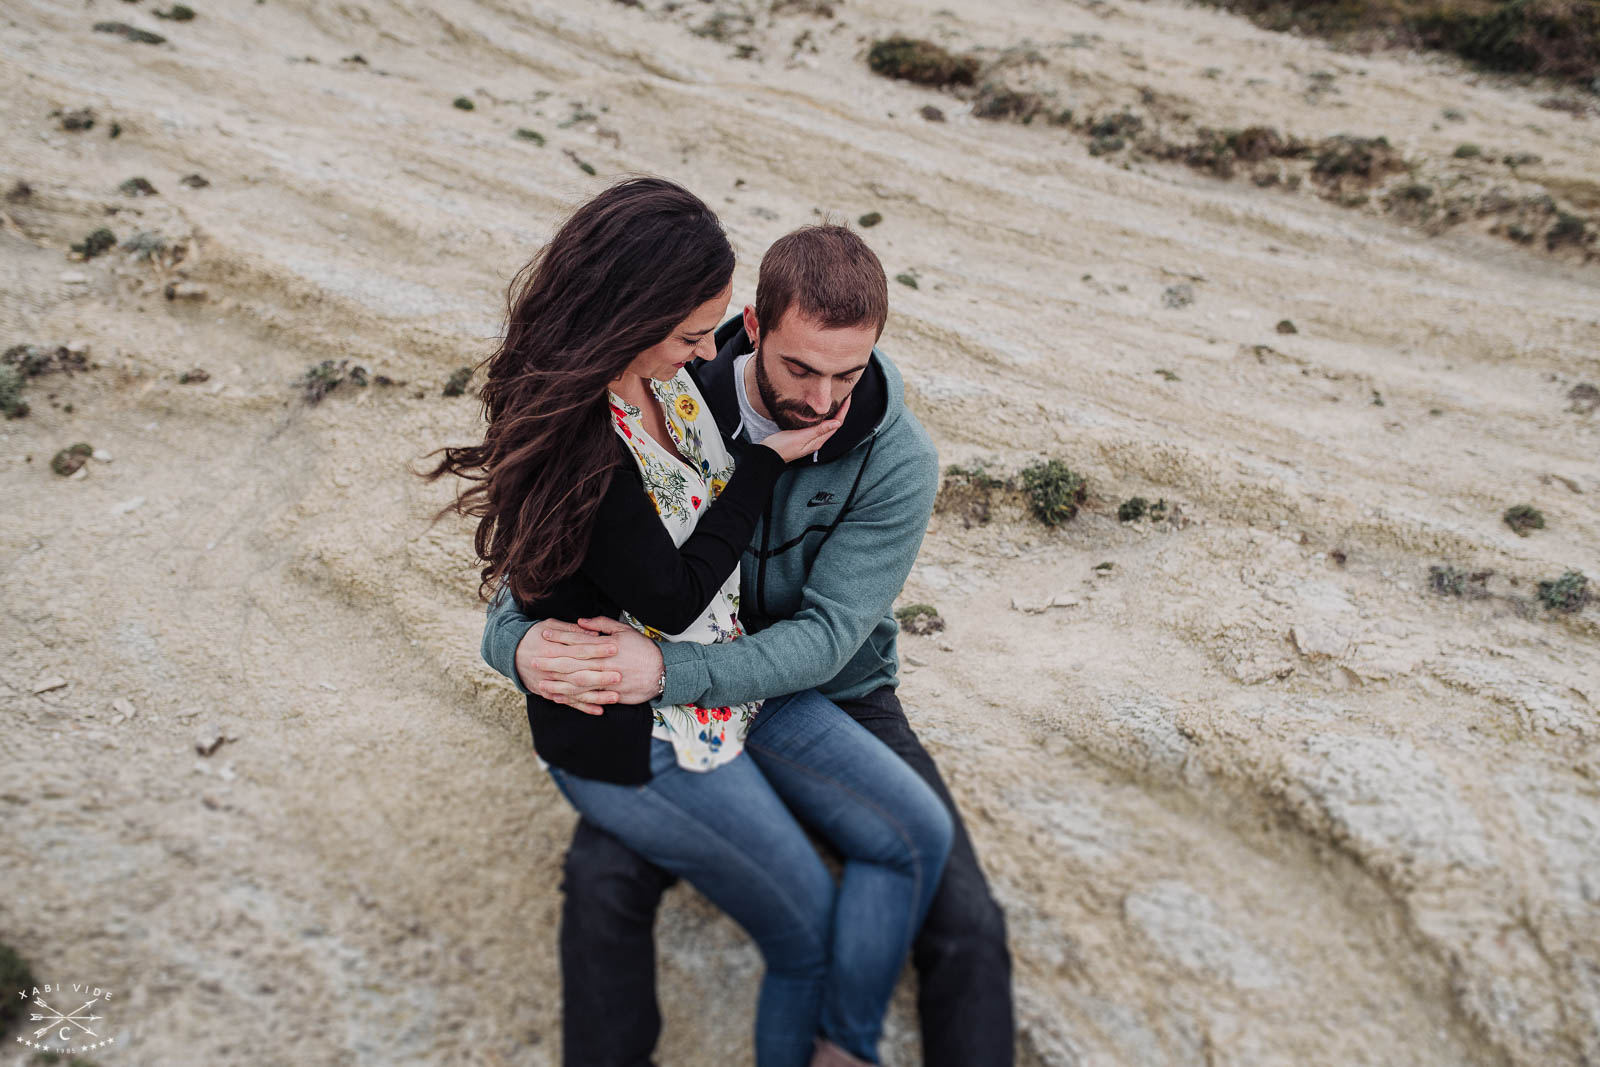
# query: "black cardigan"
632, 565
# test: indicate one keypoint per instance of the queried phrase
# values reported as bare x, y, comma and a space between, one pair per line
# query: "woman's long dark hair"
621, 274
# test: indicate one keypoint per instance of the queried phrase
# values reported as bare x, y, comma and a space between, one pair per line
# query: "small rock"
183, 291
132, 33
73, 277
1178, 296
209, 739
1285, 326
81, 119
124, 707
100, 455
193, 181
1058, 601
931, 113
48, 685
125, 506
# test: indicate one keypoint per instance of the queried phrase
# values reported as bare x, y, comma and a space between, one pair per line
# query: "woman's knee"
795, 940
926, 832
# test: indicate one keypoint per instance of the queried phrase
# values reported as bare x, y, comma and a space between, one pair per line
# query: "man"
817, 587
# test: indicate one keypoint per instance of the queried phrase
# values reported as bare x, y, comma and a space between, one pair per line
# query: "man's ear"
752, 328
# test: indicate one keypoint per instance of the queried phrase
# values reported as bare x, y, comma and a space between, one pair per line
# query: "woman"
594, 488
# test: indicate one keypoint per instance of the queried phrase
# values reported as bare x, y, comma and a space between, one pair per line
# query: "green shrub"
325, 377
998, 102
101, 240
1524, 517
920, 619
12, 406
463, 104
1447, 580
457, 384
1567, 593
921, 62
1053, 491
1568, 230
69, 459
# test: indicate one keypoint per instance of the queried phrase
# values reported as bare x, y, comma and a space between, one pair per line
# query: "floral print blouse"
682, 483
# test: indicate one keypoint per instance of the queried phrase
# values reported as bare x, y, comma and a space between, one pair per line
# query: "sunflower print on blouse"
682, 483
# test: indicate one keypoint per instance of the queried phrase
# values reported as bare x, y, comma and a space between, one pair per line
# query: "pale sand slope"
1243, 805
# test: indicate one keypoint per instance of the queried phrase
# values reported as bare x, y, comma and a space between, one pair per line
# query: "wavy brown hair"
620, 275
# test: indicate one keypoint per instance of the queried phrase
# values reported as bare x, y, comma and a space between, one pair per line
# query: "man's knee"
603, 876
964, 921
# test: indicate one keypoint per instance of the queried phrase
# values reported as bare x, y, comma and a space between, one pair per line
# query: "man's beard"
788, 414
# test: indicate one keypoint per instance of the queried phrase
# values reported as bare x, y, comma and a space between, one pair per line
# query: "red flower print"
722, 714
695, 501
700, 714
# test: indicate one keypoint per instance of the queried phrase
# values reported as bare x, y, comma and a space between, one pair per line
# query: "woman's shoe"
830, 1055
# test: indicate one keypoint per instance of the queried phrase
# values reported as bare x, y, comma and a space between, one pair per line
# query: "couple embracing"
695, 531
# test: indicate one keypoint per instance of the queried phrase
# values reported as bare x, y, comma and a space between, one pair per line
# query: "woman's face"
691, 340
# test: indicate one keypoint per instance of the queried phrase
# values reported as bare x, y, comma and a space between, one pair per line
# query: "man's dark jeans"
610, 1017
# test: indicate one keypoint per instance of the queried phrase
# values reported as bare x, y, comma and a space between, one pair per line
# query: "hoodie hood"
876, 402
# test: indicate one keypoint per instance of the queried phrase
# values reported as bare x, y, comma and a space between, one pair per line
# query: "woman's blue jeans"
833, 953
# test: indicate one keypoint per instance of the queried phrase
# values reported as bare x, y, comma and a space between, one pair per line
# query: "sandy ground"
1251, 795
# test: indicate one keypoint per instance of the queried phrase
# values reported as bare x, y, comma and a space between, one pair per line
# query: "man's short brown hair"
825, 273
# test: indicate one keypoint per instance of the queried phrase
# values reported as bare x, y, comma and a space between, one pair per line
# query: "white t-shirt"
757, 427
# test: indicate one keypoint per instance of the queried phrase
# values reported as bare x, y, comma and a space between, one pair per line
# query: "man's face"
804, 371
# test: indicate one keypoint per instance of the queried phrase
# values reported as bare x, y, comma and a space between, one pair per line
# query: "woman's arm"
632, 558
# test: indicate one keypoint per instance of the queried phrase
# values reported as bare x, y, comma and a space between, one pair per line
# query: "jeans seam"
899, 828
